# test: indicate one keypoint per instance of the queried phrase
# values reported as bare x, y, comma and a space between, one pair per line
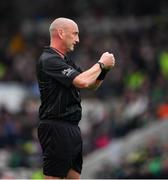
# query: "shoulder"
49, 58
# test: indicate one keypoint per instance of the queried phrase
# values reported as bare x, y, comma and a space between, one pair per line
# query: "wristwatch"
102, 66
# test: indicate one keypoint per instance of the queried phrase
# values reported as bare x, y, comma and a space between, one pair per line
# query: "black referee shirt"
60, 99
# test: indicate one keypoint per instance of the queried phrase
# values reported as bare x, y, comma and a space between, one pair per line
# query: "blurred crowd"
147, 162
133, 95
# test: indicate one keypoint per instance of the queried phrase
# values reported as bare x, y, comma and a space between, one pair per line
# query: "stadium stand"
133, 97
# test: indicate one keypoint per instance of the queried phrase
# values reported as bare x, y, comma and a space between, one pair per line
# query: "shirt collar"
51, 50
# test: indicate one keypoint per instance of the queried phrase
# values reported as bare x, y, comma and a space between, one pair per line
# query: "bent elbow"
80, 83
83, 84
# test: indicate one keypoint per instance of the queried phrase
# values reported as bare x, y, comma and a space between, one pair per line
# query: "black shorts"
61, 144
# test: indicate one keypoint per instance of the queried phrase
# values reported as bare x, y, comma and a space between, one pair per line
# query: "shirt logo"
68, 71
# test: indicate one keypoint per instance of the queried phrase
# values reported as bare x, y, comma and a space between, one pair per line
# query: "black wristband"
102, 75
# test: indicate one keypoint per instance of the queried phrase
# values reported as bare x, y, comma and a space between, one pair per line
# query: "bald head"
62, 23
64, 34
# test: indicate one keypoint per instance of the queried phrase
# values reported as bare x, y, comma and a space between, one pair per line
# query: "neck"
59, 50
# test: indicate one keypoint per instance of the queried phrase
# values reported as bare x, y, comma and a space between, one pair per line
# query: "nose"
77, 39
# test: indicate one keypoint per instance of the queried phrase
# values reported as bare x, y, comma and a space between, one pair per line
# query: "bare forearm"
87, 79
96, 85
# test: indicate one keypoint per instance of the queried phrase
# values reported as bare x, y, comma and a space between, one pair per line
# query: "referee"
59, 82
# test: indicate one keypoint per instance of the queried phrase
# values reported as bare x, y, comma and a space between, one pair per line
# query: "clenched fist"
108, 60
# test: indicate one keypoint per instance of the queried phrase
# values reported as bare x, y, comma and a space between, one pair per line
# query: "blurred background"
125, 122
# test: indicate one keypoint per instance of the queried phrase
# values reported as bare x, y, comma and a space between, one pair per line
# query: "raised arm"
88, 79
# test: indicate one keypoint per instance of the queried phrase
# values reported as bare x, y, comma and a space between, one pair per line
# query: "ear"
60, 33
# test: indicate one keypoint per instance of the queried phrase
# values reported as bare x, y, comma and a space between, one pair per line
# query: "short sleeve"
60, 71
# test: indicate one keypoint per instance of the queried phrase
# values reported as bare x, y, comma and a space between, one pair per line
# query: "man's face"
71, 37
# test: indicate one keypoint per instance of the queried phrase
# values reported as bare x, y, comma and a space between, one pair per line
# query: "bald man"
60, 81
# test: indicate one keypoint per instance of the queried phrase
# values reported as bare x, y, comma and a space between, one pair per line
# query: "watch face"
102, 65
